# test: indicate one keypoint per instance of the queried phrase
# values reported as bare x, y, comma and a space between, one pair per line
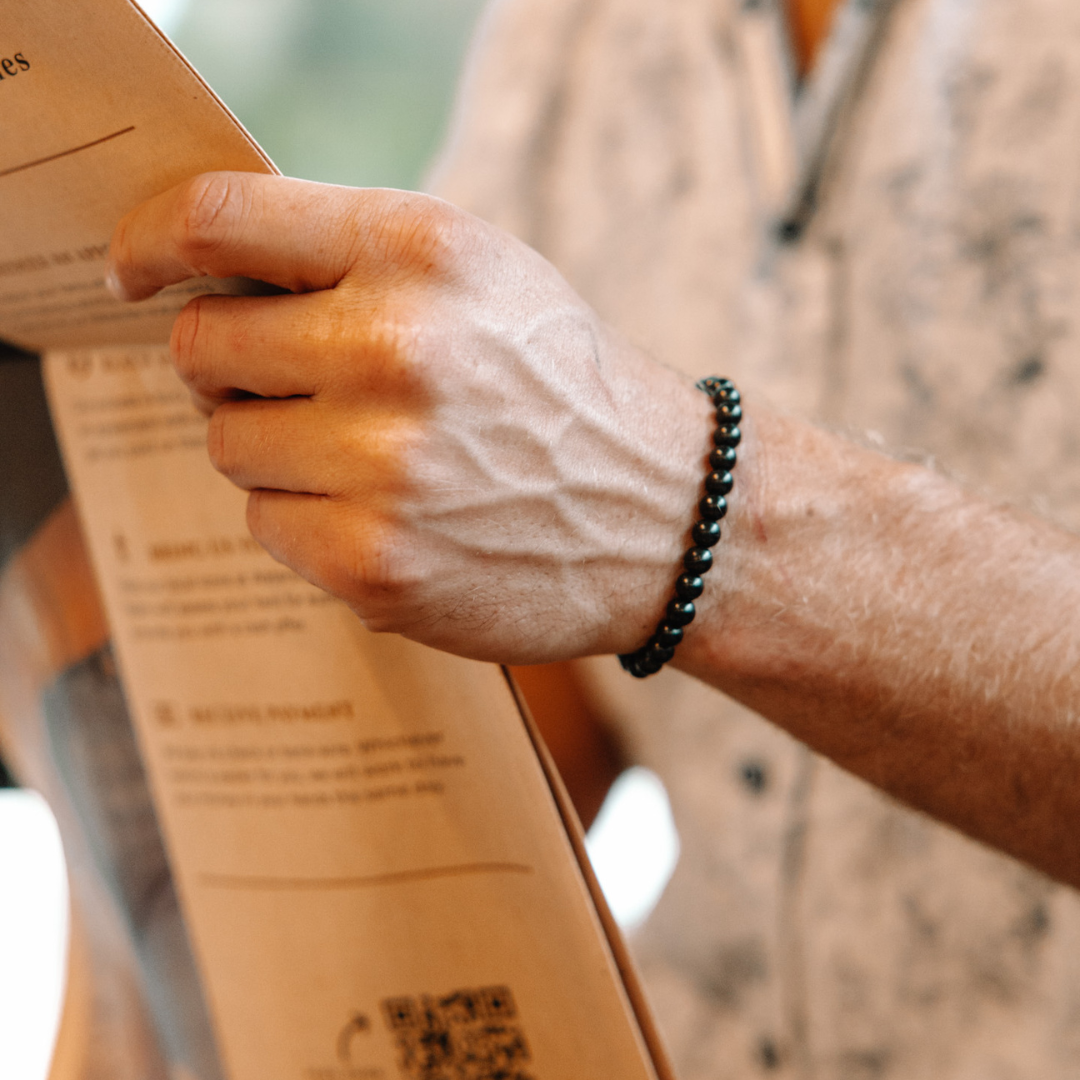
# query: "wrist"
672, 422
789, 508
803, 576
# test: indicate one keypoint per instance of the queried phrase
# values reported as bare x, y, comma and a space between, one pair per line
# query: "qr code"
466, 1035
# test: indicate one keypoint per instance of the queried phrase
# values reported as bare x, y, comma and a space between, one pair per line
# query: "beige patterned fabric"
814, 928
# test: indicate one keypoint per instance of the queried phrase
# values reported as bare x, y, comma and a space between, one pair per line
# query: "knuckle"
363, 562
424, 235
370, 569
207, 212
366, 564
385, 460
395, 351
389, 348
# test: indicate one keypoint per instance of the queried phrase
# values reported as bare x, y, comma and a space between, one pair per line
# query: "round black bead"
723, 457
727, 393
658, 653
719, 483
712, 507
638, 663
727, 435
668, 635
705, 533
715, 385
680, 613
728, 412
689, 587
698, 560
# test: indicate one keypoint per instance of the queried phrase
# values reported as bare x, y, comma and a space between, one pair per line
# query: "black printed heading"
10, 66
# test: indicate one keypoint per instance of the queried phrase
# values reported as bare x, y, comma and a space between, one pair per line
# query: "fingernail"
114, 285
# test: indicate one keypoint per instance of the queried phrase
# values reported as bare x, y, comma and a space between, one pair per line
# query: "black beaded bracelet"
698, 560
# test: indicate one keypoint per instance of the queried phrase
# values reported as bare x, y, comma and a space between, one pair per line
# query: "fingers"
277, 518
319, 344
298, 235
308, 447
274, 444
233, 224
272, 347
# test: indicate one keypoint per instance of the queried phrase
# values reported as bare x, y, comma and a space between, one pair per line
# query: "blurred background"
355, 92
344, 91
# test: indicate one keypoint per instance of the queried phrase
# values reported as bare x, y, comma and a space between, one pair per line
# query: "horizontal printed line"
64, 153
238, 881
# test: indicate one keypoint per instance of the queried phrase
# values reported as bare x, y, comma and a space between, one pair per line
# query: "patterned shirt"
893, 249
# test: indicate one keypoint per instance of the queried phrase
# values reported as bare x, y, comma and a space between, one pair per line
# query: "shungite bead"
714, 384
712, 507
657, 652
727, 435
719, 483
698, 560
723, 457
728, 412
632, 662
648, 664
680, 613
728, 394
668, 635
689, 587
705, 533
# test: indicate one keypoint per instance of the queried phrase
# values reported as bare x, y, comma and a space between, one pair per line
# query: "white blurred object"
166, 13
33, 935
633, 845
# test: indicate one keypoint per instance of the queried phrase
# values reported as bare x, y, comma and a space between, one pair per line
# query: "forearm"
918, 636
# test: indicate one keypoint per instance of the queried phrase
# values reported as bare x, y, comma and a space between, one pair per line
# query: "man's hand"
431, 424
